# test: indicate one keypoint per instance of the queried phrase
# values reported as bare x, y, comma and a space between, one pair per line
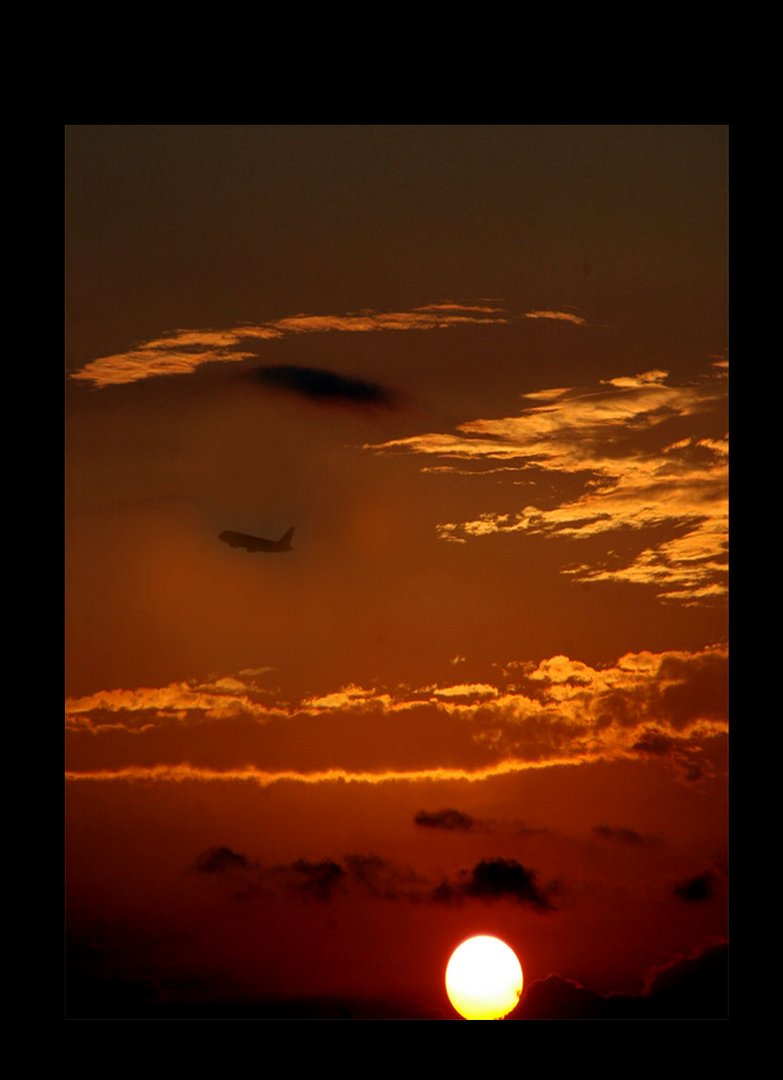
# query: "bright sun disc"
484, 978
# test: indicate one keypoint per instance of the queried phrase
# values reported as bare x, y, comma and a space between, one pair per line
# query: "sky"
482, 372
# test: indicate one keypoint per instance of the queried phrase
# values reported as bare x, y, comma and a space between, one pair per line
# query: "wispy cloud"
183, 351
614, 440
146, 707
559, 712
328, 879
220, 860
562, 316
449, 820
622, 835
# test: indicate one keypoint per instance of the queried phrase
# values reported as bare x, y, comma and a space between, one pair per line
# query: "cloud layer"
616, 443
559, 712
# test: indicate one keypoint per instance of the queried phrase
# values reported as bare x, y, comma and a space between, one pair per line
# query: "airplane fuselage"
256, 543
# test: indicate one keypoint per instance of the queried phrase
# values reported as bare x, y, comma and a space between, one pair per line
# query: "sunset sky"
482, 371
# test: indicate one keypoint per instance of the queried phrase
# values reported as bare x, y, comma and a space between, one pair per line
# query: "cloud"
451, 306
183, 351
384, 879
497, 879
220, 860
669, 705
450, 820
613, 441
464, 690
325, 387
561, 316
621, 835
697, 889
319, 880
654, 742
689, 988
190, 701
316, 880
313, 880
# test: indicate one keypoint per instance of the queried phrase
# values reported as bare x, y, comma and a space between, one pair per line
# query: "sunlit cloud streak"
559, 712
614, 440
183, 351
179, 701
561, 316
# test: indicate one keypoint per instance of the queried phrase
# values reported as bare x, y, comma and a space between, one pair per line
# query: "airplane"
256, 543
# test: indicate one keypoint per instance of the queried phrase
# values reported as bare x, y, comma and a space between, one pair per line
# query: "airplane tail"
285, 541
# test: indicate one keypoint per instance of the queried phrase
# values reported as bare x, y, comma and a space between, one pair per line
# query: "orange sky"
483, 372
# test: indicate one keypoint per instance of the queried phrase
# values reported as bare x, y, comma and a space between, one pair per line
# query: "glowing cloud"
559, 712
182, 351
613, 439
562, 316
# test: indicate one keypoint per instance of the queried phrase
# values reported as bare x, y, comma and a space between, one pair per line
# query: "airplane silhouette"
256, 543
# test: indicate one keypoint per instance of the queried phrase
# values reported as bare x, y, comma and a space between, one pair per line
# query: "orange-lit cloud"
562, 316
614, 440
465, 690
450, 306
558, 712
217, 700
182, 351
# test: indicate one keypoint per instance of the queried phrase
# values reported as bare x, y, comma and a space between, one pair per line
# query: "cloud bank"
670, 705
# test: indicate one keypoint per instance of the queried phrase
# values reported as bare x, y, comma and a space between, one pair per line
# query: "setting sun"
484, 978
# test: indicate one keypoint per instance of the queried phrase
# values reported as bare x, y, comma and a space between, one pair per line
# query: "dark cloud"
697, 889
219, 860
316, 879
383, 878
450, 820
654, 742
326, 387
692, 989
497, 879
696, 986
621, 834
